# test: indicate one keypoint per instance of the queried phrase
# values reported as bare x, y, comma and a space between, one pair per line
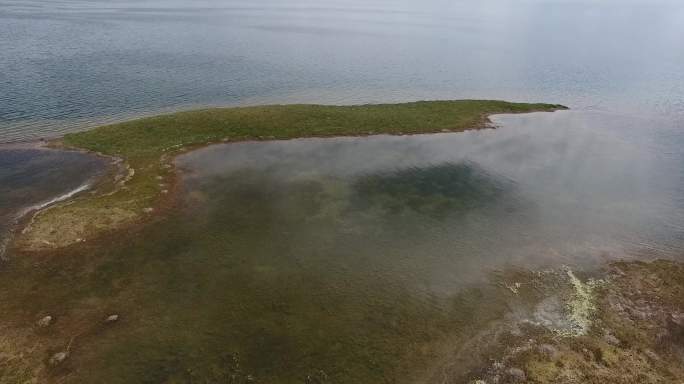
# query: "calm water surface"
368, 258
359, 257
563, 187
67, 65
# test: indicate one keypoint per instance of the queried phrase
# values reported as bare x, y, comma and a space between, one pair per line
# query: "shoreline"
151, 179
23, 216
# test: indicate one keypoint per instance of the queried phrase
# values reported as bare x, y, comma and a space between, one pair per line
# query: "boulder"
516, 375
611, 339
675, 326
58, 358
548, 351
44, 322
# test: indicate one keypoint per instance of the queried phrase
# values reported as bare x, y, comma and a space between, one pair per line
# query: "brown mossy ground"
637, 336
147, 146
637, 333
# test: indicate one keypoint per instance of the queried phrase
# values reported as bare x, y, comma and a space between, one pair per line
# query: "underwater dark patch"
436, 190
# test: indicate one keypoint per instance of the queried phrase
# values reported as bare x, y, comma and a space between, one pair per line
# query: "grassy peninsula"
147, 146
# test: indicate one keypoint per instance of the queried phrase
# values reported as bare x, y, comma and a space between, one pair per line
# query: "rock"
58, 358
112, 319
516, 375
319, 377
549, 351
651, 355
513, 288
44, 322
148, 210
610, 339
675, 326
677, 319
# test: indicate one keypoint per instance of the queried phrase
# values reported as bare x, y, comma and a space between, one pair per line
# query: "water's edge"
21, 219
22, 215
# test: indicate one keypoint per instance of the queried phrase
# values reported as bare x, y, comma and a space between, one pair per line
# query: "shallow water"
69, 65
31, 178
564, 187
363, 258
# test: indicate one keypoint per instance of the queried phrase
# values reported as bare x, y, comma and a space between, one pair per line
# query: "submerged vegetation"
436, 191
265, 278
253, 281
148, 145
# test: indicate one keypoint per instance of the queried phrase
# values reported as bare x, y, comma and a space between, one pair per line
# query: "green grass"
148, 144
152, 136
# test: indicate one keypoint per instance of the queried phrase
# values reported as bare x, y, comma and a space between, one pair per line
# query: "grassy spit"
147, 147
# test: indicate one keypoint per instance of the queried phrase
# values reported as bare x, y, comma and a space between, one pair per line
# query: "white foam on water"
5, 239
39, 206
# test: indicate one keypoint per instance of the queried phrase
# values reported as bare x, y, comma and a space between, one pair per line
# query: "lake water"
68, 65
563, 187
357, 259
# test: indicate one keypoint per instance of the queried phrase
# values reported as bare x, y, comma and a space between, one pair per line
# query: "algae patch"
627, 327
581, 305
